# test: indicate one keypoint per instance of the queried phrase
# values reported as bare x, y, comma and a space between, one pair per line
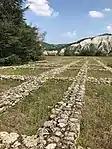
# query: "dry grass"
95, 67
6, 84
107, 61
69, 73
23, 71
99, 74
92, 61
96, 123
28, 115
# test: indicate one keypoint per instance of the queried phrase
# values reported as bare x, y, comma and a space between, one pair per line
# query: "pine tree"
16, 37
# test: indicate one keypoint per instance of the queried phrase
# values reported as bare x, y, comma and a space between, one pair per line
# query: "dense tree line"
19, 42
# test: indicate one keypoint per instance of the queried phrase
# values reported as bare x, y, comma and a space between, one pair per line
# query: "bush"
10, 60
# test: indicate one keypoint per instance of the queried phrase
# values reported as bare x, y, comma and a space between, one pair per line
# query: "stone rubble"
96, 69
34, 65
103, 65
89, 79
63, 127
16, 141
96, 65
16, 77
15, 94
100, 80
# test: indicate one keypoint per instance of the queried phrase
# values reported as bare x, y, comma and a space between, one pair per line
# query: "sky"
66, 21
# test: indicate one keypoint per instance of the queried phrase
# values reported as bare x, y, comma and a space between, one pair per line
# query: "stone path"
62, 129
14, 95
63, 126
89, 79
103, 65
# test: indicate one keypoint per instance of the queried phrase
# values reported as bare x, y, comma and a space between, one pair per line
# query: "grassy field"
68, 73
24, 71
28, 115
107, 61
92, 61
92, 67
62, 59
6, 84
99, 74
96, 123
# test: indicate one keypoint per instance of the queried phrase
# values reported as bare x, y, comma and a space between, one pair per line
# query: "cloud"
109, 27
96, 14
42, 8
107, 10
55, 14
70, 34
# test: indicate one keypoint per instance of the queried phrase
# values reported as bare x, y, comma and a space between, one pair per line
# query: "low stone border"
76, 65
16, 141
100, 80
96, 65
97, 69
63, 127
63, 78
33, 65
74, 68
103, 65
16, 77
89, 79
14, 95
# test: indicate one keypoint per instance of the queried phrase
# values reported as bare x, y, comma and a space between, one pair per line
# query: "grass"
92, 61
107, 61
93, 64
6, 84
99, 74
76, 67
68, 73
27, 116
23, 71
95, 67
61, 58
96, 123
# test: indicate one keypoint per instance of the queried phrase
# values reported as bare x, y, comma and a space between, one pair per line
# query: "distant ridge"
94, 45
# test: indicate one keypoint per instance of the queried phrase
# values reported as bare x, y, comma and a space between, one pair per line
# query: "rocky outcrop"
98, 45
50, 53
61, 53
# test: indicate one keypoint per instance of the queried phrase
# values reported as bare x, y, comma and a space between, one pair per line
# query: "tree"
16, 37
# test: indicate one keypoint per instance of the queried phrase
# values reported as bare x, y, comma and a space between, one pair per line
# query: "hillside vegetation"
51, 47
100, 45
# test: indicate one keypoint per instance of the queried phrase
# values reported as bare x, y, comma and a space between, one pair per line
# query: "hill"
51, 47
94, 46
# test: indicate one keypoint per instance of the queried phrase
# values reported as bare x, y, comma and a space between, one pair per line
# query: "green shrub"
10, 60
